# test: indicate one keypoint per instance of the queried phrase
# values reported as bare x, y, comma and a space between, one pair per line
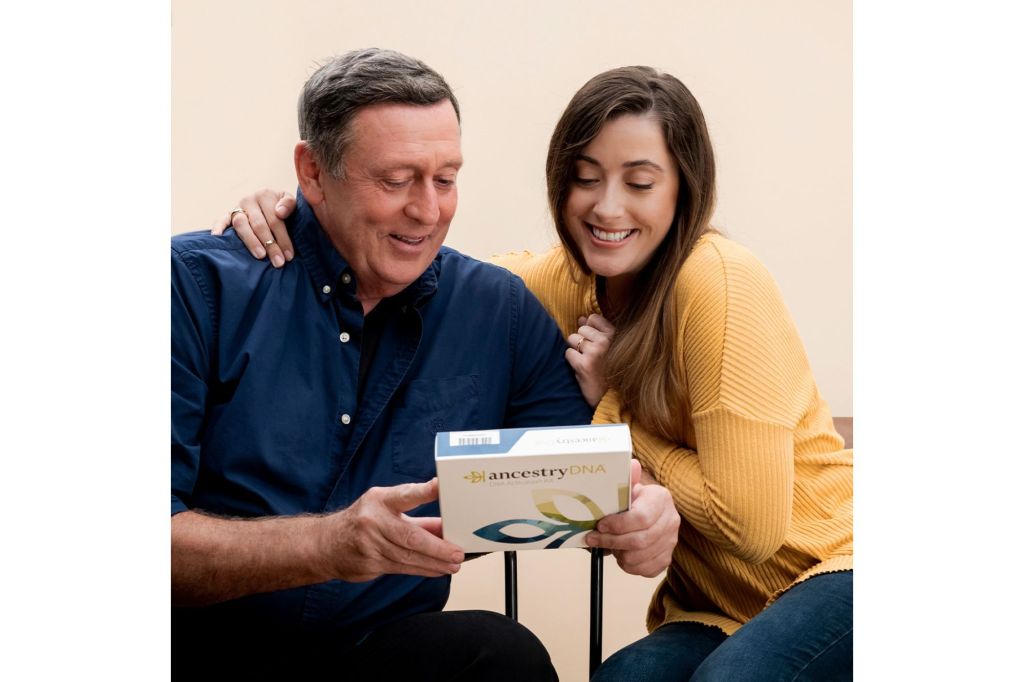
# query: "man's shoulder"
223, 258
202, 242
461, 268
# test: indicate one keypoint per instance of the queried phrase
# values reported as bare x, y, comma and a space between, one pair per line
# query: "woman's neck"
614, 294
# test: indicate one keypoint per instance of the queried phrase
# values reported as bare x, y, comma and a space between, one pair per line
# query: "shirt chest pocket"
430, 406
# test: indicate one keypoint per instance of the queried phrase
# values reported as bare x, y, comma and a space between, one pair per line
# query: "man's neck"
369, 303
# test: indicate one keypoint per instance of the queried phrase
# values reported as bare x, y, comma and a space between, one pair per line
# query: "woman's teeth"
610, 236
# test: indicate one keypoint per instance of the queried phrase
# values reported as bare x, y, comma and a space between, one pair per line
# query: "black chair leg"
511, 587
596, 594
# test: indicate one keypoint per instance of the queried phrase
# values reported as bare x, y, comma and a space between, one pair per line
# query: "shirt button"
345, 419
346, 278
326, 289
344, 337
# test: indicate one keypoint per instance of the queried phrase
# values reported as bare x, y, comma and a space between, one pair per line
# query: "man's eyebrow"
628, 164
386, 165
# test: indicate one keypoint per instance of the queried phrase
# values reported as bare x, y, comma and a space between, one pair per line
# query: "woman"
683, 334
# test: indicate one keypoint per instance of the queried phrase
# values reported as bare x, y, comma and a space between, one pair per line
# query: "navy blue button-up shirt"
266, 411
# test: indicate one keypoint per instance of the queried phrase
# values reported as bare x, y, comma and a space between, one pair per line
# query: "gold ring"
579, 346
238, 210
269, 242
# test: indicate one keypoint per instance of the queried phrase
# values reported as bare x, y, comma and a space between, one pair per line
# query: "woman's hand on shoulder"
259, 222
587, 349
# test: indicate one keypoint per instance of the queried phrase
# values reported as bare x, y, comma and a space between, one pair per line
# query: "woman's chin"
608, 270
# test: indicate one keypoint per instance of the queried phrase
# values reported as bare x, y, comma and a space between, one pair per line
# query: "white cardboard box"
542, 488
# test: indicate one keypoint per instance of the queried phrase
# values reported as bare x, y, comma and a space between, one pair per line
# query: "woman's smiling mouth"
610, 237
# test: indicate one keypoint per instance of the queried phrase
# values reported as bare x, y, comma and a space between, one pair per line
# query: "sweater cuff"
609, 410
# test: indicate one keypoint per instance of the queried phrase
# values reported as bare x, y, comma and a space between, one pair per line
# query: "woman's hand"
587, 348
260, 225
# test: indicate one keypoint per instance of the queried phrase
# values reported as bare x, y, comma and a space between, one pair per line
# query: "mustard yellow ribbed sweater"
758, 472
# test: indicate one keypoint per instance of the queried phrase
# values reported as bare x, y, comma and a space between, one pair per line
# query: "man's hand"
642, 539
260, 225
587, 348
373, 537
215, 559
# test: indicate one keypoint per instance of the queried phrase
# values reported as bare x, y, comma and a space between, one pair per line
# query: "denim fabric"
267, 416
807, 634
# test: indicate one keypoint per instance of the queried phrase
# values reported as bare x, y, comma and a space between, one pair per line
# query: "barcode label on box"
473, 438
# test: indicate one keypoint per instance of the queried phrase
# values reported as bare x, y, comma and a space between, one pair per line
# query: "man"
305, 401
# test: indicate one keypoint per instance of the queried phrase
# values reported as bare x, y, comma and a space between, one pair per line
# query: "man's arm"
215, 559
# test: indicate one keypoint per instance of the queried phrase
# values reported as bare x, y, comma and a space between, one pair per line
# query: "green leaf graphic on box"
544, 500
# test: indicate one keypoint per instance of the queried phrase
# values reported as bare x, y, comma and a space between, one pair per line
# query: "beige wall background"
774, 79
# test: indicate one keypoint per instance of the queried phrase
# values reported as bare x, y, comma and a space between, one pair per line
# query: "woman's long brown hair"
641, 362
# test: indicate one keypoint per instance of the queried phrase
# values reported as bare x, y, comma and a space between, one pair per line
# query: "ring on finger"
237, 209
579, 346
269, 242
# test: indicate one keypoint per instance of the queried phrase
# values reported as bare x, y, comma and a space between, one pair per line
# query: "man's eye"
395, 184
445, 182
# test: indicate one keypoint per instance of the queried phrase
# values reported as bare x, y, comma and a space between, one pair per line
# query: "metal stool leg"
511, 587
596, 594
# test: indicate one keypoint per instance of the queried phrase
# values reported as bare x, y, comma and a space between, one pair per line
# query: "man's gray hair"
337, 90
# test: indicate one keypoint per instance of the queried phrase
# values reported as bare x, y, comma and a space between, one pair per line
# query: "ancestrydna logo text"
557, 474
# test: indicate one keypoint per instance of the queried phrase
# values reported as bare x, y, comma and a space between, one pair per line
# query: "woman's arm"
737, 492
747, 382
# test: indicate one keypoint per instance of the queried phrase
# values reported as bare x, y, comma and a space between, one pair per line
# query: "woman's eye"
585, 182
640, 185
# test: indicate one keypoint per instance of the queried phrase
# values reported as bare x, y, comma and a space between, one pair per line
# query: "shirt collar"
329, 272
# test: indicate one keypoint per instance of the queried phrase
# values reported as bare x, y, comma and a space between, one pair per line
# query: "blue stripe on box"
506, 439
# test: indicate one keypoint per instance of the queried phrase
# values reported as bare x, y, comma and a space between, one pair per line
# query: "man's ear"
307, 169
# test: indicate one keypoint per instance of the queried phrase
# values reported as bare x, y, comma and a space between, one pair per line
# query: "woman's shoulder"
520, 262
715, 252
540, 271
717, 265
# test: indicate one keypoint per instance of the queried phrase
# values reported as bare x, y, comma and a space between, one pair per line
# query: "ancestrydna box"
542, 488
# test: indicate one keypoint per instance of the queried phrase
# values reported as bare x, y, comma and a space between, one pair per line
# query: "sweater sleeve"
746, 373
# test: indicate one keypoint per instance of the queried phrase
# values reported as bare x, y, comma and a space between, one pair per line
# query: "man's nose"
423, 206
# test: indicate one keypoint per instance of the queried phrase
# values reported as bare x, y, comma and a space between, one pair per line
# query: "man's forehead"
409, 122
395, 135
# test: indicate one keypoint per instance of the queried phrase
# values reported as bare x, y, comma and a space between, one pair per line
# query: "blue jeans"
807, 634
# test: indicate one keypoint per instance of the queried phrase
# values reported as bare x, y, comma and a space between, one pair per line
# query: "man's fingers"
431, 524
638, 540
410, 544
642, 515
408, 496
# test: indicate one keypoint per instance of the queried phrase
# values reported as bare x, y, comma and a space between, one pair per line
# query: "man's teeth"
610, 236
408, 240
